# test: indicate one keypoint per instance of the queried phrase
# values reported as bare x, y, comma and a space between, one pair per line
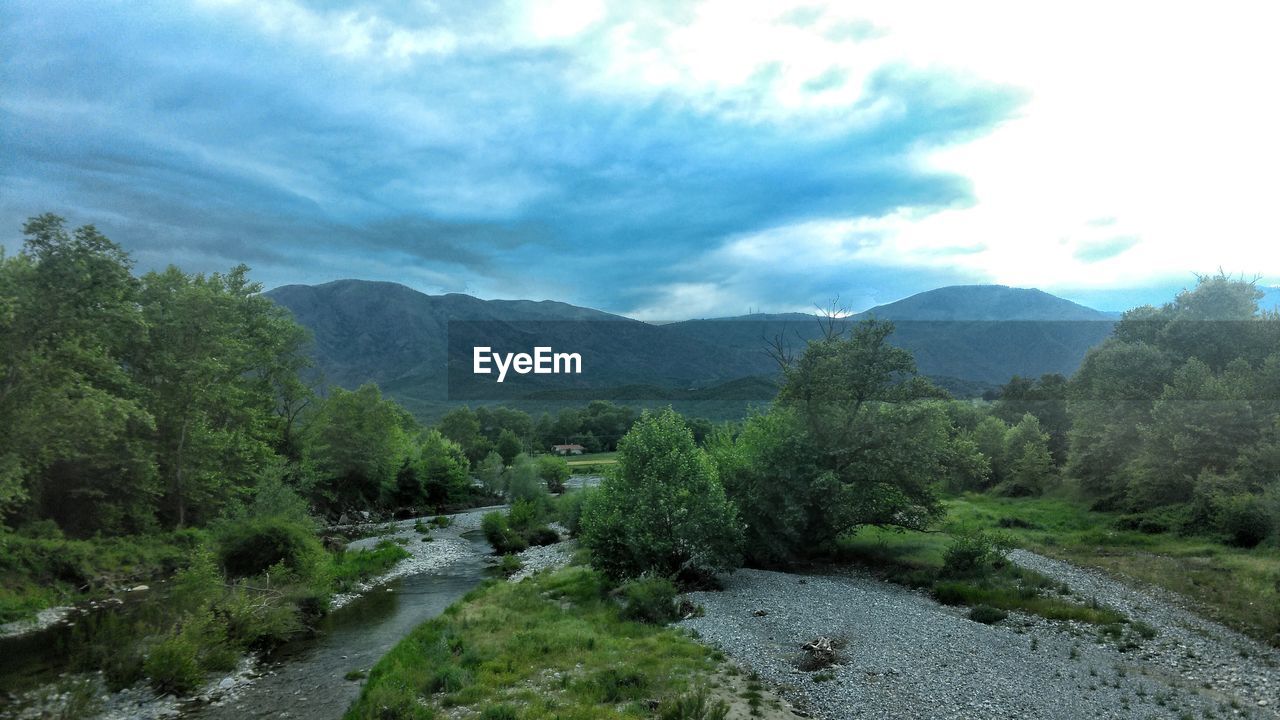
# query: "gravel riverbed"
906, 656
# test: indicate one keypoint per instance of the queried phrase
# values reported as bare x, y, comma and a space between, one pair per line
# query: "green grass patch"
41, 572
349, 568
1236, 586
554, 646
919, 560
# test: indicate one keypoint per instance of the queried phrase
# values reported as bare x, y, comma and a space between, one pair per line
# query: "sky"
663, 160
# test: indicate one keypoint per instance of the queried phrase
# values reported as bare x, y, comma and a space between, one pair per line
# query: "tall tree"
217, 360
72, 428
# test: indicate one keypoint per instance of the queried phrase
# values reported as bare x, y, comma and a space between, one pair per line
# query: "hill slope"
969, 337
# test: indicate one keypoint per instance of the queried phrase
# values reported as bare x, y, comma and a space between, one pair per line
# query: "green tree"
662, 509
1046, 399
1026, 459
508, 446
988, 437
73, 428
554, 471
490, 473
770, 471
212, 365
358, 442
522, 481
878, 445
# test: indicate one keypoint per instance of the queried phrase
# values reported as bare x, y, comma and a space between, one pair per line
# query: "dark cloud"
193, 139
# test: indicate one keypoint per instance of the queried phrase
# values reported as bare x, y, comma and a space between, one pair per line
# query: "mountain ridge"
385, 332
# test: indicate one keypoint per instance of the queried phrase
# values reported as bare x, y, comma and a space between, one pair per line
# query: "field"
591, 462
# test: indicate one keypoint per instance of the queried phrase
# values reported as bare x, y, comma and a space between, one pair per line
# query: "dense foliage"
855, 438
662, 508
1181, 410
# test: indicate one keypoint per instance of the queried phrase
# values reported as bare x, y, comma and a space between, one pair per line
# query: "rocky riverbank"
902, 655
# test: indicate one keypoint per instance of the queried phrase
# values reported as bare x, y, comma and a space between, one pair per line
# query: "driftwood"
821, 652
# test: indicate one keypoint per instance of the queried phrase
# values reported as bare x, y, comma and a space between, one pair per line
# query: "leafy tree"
1046, 399
1110, 398
554, 471
989, 437
770, 472
1026, 459
509, 446
490, 473
1200, 422
358, 442
662, 509
215, 352
73, 428
878, 448
523, 482
443, 469
462, 426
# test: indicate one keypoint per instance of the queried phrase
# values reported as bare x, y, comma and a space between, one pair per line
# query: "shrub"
693, 706
498, 712
1244, 520
650, 600
510, 565
441, 521
250, 547
497, 530
974, 553
987, 615
569, 509
612, 686
542, 535
172, 665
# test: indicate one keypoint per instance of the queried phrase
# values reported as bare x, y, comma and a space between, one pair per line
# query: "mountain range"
967, 338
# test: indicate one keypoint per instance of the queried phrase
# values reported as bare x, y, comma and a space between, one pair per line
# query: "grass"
1238, 587
553, 646
591, 463
41, 572
917, 560
348, 569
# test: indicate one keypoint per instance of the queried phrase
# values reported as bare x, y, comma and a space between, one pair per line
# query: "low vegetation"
553, 646
1236, 586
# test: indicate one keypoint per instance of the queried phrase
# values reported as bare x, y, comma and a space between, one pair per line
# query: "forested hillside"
969, 339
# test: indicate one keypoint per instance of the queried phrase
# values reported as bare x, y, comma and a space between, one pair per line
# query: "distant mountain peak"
970, 303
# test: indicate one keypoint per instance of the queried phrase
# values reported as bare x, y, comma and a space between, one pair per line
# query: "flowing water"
304, 679
308, 681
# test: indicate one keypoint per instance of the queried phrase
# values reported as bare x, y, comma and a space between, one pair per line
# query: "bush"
569, 509
172, 665
650, 600
250, 547
498, 531
987, 615
1244, 520
974, 553
611, 686
542, 535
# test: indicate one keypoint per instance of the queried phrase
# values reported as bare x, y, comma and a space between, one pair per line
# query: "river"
305, 678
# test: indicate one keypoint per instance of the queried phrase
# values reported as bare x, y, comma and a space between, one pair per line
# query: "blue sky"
661, 160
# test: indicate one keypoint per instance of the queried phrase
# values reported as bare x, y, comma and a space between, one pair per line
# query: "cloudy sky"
665, 160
